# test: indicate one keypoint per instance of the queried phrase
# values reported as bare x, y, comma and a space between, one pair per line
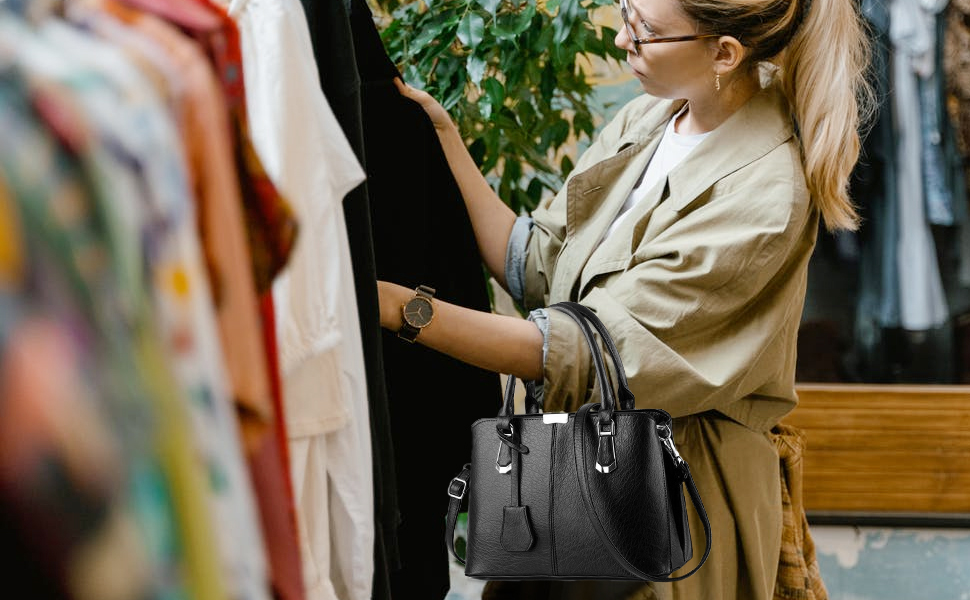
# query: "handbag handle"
624, 395
503, 424
575, 309
582, 473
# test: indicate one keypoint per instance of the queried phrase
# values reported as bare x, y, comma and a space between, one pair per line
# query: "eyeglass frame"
637, 42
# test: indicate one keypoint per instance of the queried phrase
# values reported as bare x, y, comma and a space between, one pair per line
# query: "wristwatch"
418, 313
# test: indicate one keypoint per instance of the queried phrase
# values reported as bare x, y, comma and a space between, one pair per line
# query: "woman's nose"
622, 40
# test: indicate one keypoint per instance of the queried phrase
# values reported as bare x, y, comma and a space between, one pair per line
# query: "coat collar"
595, 195
757, 128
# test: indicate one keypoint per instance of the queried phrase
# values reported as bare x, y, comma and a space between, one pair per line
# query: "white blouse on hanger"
308, 156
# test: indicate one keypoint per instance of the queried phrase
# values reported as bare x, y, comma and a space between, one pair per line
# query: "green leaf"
566, 164
560, 30
510, 25
485, 106
477, 150
547, 85
524, 62
534, 191
490, 5
555, 135
495, 91
471, 29
476, 68
582, 121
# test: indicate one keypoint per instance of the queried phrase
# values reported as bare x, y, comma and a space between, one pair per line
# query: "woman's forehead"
657, 12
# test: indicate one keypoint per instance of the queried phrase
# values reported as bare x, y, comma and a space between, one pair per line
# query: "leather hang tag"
517, 529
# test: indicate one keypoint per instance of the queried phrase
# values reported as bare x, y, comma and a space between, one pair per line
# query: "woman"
687, 226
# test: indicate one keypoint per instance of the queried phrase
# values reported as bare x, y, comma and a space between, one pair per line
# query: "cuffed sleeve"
515, 257
540, 317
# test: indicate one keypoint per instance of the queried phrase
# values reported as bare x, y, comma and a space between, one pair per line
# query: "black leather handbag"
595, 494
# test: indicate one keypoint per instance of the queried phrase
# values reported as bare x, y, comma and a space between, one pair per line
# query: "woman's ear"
729, 54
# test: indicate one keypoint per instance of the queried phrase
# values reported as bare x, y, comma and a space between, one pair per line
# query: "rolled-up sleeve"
515, 257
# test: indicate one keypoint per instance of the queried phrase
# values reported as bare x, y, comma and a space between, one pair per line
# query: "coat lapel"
748, 133
594, 196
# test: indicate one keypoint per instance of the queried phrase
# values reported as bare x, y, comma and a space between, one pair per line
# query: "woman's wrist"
391, 297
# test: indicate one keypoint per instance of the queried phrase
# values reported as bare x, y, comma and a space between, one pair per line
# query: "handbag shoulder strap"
579, 423
457, 489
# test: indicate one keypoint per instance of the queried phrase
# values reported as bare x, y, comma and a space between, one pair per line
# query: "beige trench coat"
702, 288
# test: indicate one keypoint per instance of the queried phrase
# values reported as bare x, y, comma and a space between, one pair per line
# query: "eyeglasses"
637, 42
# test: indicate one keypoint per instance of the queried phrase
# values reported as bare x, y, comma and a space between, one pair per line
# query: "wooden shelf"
885, 449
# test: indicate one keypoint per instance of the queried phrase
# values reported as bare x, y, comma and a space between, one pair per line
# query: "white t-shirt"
673, 149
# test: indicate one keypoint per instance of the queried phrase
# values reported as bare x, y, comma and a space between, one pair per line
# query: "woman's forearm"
491, 218
493, 342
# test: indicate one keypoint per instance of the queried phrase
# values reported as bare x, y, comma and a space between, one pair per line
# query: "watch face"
418, 312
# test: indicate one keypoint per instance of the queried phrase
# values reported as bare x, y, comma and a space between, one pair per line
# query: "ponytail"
821, 49
823, 75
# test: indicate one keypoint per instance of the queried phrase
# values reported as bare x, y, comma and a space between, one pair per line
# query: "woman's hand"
439, 116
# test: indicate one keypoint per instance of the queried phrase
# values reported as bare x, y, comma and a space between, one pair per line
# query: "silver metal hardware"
667, 439
464, 487
498, 466
607, 468
555, 417
610, 433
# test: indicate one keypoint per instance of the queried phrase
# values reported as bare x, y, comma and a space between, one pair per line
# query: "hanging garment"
337, 69
182, 302
206, 133
197, 100
306, 153
74, 240
269, 465
922, 303
956, 64
873, 188
427, 239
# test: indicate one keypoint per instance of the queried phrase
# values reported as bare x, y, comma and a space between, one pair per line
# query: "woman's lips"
638, 73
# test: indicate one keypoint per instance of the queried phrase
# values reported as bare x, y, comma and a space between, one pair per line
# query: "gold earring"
717, 82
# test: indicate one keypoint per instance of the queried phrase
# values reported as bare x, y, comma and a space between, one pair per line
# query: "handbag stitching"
552, 504
667, 513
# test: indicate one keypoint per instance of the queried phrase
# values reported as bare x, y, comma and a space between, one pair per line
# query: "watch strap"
409, 332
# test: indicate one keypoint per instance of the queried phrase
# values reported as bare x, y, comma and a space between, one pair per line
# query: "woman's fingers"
406, 90
409, 92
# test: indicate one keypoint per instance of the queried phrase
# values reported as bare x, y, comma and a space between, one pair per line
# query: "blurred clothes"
70, 275
912, 32
139, 229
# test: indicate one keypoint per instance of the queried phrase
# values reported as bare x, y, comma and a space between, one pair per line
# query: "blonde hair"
821, 50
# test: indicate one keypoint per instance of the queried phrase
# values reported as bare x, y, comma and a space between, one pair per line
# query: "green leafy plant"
509, 73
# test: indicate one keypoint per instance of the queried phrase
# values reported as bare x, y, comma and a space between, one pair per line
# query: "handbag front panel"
631, 503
